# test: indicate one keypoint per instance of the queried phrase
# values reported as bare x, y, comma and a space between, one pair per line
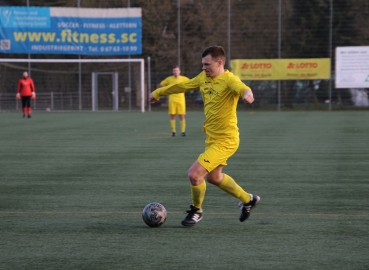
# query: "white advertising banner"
352, 67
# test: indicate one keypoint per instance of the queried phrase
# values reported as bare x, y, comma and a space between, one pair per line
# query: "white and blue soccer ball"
154, 214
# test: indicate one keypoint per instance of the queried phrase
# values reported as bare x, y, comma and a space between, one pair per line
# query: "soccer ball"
154, 214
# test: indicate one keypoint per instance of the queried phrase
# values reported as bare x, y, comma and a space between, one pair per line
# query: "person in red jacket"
25, 91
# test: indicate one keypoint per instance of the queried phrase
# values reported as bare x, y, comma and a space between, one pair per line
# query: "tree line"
254, 33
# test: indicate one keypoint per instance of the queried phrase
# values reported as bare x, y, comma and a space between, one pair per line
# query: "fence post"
148, 82
52, 100
179, 33
330, 53
279, 48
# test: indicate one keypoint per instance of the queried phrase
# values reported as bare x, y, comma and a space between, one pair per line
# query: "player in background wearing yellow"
177, 102
220, 90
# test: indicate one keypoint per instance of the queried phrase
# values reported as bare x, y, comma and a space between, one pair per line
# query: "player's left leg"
24, 108
29, 109
219, 152
181, 107
228, 184
182, 120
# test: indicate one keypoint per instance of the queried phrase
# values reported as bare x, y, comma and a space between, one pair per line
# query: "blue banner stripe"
32, 30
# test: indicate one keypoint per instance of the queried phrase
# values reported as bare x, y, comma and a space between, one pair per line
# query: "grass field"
73, 185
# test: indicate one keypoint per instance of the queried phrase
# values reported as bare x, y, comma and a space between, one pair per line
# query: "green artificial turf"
73, 185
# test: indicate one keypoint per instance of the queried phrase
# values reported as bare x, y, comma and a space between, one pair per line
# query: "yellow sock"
230, 186
183, 125
198, 195
173, 125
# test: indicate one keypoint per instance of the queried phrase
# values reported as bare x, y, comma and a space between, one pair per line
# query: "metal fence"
177, 31
57, 86
63, 101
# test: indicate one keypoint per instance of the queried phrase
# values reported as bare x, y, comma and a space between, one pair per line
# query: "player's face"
25, 74
210, 66
176, 72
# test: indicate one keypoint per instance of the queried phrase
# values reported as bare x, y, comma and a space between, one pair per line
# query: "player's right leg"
173, 124
172, 113
196, 174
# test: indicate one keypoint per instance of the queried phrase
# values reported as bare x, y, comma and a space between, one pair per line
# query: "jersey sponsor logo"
212, 92
207, 161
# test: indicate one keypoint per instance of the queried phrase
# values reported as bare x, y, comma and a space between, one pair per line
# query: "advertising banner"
251, 69
55, 30
282, 69
304, 69
352, 67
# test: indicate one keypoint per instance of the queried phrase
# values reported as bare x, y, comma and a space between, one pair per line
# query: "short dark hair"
176, 66
216, 52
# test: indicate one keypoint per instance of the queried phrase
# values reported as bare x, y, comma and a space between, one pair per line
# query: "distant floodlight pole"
279, 48
330, 54
79, 75
29, 56
229, 35
129, 74
179, 33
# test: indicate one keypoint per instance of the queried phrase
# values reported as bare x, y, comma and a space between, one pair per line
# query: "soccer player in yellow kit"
220, 91
177, 102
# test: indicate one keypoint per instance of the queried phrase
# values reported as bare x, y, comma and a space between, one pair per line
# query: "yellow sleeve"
238, 86
177, 88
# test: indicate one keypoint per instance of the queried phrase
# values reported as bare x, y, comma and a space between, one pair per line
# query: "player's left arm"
248, 96
33, 89
242, 90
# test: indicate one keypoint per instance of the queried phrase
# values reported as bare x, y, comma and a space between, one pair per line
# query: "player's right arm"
177, 88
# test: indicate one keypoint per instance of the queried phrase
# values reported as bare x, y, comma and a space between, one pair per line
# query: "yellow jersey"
172, 80
220, 96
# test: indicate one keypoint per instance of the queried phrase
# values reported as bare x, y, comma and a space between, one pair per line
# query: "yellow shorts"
217, 152
177, 107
